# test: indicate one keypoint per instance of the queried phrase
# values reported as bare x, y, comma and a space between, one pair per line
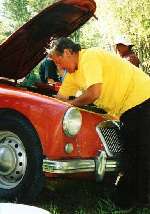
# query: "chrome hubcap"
13, 160
7, 160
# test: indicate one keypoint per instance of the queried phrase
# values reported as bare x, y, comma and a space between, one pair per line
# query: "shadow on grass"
79, 197
76, 197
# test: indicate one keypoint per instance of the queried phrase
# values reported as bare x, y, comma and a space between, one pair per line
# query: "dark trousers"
135, 163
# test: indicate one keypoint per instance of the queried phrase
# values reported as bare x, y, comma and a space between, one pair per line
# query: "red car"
40, 135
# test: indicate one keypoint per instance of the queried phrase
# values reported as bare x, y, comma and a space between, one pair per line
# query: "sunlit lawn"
79, 197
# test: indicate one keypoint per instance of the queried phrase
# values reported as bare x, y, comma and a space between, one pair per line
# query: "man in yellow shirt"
121, 89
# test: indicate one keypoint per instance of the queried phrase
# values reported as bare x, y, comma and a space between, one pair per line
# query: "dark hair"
66, 43
130, 47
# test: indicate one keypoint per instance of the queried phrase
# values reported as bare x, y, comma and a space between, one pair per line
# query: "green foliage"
37, 5
133, 17
32, 78
3, 32
92, 37
2, 35
20, 11
76, 36
17, 11
138, 26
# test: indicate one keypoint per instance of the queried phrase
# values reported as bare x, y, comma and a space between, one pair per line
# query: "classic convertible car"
40, 135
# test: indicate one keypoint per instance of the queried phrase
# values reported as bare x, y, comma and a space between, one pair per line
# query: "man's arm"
61, 97
89, 96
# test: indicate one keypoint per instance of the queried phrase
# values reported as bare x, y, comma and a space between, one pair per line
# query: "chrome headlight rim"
72, 129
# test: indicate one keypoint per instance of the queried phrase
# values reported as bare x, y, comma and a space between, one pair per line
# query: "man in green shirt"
48, 71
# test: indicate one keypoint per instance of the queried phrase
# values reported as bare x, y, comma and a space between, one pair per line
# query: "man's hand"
51, 81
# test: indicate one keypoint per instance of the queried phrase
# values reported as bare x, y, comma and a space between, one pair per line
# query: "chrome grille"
111, 140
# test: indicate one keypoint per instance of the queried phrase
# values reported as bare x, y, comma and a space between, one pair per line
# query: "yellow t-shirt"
123, 85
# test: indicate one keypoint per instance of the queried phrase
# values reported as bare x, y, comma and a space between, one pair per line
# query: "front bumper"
100, 165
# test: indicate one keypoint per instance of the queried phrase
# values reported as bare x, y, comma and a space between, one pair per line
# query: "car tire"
21, 176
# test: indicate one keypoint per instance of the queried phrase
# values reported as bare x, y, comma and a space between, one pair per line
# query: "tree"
20, 11
133, 19
2, 32
37, 5
17, 12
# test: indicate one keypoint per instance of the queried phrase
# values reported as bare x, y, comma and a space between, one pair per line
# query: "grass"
79, 197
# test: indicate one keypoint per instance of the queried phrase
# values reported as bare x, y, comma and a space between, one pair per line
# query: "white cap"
10, 208
122, 40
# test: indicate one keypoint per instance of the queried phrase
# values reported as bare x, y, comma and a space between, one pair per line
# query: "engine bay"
49, 90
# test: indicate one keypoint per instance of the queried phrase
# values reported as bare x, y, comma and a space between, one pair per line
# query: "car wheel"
21, 176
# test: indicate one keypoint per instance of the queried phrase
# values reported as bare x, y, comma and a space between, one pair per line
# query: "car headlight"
72, 122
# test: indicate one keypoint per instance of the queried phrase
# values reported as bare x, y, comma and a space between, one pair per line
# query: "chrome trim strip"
103, 141
111, 165
100, 165
68, 166
109, 124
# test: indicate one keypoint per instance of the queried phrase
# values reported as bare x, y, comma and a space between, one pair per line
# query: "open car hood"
25, 48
